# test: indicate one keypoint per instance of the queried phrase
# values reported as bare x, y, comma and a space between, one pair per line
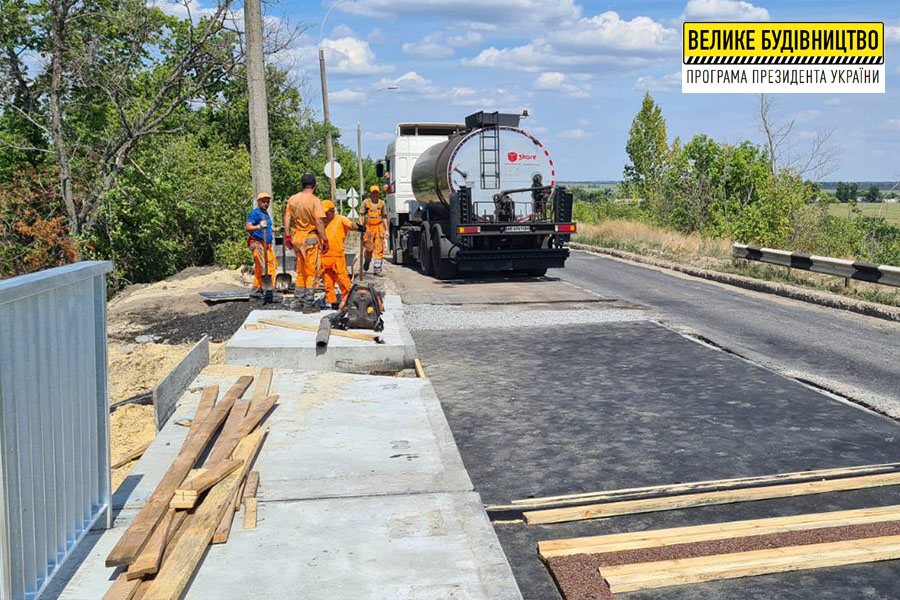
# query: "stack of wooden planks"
194, 504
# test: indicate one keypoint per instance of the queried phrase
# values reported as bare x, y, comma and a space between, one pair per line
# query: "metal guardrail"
883, 274
54, 421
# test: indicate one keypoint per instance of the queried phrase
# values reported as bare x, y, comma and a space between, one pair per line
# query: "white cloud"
607, 32
377, 36
475, 25
723, 10
351, 56
810, 114
182, 10
832, 102
347, 96
575, 134
892, 34
667, 83
342, 30
541, 56
555, 81
893, 123
441, 44
533, 14
380, 137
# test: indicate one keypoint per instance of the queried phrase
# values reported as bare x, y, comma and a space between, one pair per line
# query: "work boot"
335, 305
256, 293
366, 264
378, 267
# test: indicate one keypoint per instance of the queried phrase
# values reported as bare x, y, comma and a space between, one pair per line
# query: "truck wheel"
537, 272
425, 253
395, 246
442, 267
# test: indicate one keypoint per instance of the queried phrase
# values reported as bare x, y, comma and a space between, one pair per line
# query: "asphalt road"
856, 356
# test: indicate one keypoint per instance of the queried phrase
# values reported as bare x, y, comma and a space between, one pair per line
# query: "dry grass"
715, 254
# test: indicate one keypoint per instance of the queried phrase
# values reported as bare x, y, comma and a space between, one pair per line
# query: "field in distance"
890, 211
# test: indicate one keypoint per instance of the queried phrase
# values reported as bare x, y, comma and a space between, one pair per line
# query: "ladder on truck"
489, 153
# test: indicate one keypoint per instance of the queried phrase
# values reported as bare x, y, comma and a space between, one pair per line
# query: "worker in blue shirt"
260, 241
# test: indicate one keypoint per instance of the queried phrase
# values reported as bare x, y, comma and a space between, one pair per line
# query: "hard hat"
374, 188
327, 205
262, 195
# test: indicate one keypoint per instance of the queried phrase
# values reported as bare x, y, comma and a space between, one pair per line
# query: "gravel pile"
434, 317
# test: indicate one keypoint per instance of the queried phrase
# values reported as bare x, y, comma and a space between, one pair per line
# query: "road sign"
352, 198
341, 194
352, 214
337, 169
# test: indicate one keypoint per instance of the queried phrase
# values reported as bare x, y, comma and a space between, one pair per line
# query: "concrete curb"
862, 307
170, 388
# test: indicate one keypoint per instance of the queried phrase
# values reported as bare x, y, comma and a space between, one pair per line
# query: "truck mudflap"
511, 260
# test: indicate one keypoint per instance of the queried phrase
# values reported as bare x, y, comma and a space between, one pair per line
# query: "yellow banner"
784, 40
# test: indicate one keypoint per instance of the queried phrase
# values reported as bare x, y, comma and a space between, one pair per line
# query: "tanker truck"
475, 197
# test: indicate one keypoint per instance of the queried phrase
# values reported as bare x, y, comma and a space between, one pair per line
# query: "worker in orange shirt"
334, 262
304, 219
260, 240
374, 215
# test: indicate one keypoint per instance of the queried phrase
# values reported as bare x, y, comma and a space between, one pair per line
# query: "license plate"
517, 228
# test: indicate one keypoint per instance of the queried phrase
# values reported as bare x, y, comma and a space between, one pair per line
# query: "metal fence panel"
54, 421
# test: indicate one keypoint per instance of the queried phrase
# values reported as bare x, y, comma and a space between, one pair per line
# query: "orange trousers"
307, 263
258, 251
334, 271
374, 241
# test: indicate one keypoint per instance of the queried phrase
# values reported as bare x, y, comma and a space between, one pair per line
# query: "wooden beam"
249, 513
356, 335
231, 434
629, 507
263, 383
206, 403
186, 553
618, 542
122, 588
147, 561
420, 370
132, 541
252, 485
188, 494
642, 576
130, 456
661, 490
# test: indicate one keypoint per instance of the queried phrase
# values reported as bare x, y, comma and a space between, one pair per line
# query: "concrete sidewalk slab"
415, 547
281, 347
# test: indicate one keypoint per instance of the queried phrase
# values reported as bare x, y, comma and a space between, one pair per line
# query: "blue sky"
579, 67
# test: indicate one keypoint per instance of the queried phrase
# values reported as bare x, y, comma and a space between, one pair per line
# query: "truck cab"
411, 141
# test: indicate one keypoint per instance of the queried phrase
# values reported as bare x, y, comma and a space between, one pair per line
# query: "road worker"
374, 216
334, 262
260, 241
304, 219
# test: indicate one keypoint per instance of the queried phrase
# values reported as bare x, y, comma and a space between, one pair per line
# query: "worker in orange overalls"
260, 239
374, 216
334, 262
304, 219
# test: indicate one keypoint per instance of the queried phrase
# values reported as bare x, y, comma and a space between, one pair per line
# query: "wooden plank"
130, 456
186, 553
659, 490
184, 423
254, 326
618, 542
256, 414
147, 561
187, 495
231, 434
420, 370
642, 576
223, 529
369, 337
132, 541
250, 513
206, 403
252, 485
628, 507
263, 383
122, 588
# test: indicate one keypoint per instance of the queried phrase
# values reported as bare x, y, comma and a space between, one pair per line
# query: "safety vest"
374, 213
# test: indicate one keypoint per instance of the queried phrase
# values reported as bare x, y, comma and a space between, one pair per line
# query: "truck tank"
487, 159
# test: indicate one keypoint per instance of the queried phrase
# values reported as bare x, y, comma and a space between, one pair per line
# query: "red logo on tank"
512, 156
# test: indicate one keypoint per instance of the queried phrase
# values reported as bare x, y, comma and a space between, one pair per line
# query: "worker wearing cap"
334, 262
304, 219
374, 216
260, 240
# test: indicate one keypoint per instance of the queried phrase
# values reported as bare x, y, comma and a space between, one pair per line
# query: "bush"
234, 254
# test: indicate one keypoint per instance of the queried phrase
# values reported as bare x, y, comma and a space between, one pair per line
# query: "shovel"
267, 277
283, 281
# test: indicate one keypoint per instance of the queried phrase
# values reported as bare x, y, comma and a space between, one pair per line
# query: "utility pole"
256, 91
362, 182
329, 149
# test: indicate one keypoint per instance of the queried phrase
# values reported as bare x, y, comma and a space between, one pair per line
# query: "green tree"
647, 149
846, 192
873, 194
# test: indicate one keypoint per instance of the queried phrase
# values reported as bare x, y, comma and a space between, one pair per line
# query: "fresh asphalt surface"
860, 354
540, 410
